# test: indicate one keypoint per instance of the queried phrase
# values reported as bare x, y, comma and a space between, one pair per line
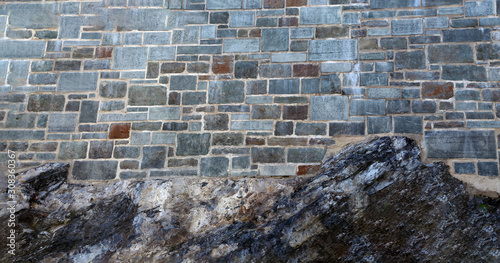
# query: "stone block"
46, 102
346, 128
268, 155
275, 71
242, 19
407, 27
284, 86
290, 57
451, 54
187, 162
252, 125
100, 149
410, 60
226, 92
479, 8
320, 15
295, 112
472, 73
277, 170
332, 32
253, 4
441, 2
219, 17
217, 122
224, 4
379, 125
329, 67
266, 112
88, 112
246, 69
43, 147
125, 152
256, 87
367, 107
275, 39
283, 128
78, 82
467, 35
34, 15
73, 150
119, 131
304, 128
465, 168
21, 135
194, 98
436, 22
309, 86
305, 155
193, 144
385, 4
95, 170
393, 43
488, 51
345, 49
408, 124
214, 167
113, 89
424, 106
147, 95
374, 79
222, 64
330, 84
241, 162
187, 35
306, 70
437, 90
487, 168
241, 45
172, 67
460, 144
156, 53
163, 138
39, 66
63, 122
20, 120
130, 57
165, 113
384, 66
153, 157
329, 108
226, 139
175, 126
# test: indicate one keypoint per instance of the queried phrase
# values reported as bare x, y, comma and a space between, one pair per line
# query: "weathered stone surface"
410, 60
437, 90
305, 155
450, 54
268, 155
100, 149
226, 92
460, 144
193, 144
472, 73
246, 69
153, 157
147, 95
214, 166
73, 150
329, 108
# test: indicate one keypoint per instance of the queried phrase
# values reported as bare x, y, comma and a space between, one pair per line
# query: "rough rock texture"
374, 202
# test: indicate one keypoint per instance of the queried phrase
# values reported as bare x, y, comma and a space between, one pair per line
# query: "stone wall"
152, 88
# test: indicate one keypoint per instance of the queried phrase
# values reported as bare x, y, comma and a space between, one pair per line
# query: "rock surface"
373, 202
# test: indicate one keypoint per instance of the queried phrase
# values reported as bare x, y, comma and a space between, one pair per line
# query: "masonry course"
139, 89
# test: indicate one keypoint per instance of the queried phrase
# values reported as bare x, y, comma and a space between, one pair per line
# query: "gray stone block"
46, 102
451, 54
147, 95
266, 112
467, 95
467, 35
20, 120
472, 73
88, 112
95, 170
113, 89
21, 135
374, 79
79, 82
217, 122
487, 168
63, 122
125, 152
304, 128
214, 167
398, 106
408, 124
407, 27
241, 162
241, 45
224, 4
39, 66
227, 138
347, 128
183, 82
242, 19
465, 168
436, 22
246, 69
410, 60
367, 107
101, 149
393, 43
333, 50
132, 175
424, 106
301, 32
158, 53
275, 71
226, 92
330, 84
488, 51
385, 4
163, 138
73, 150
284, 86
320, 15
112, 105
34, 16
379, 125
43, 79
305, 155
329, 108
153, 157
268, 155
157, 38
275, 39
130, 57
188, 35
309, 86
480, 8
193, 144
460, 144
441, 2
252, 125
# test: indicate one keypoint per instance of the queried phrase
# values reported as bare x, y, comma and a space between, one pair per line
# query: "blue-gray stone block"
78, 82
451, 10
140, 138
242, 19
309, 86
183, 82
450, 54
467, 35
284, 86
351, 18
20, 120
275, 39
441, 2
329, 108
21, 49
130, 57
385, 4
188, 35
487, 168
226, 92
157, 38
241, 45
379, 125
111, 39
241, 162
193, 144
21, 135
472, 73
347, 128
465, 168
95, 170
374, 79
467, 95
160, 53
224, 4
407, 27
34, 16
153, 157
301, 32
479, 8
214, 167
367, 107
408, 124
288, 57
63, 122
122, 152
329, 67
194, 98
330, 84
252, 125
436, 22
424, 106
275, 71
305, 155
164, 113
333, 50
88, 112
384, 93
320, 15
73, 150
460, 144
253, 4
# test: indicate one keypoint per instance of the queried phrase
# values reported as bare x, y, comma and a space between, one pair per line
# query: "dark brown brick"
172, 67
437, 90
103, 52
288, 21
222, 64
255, 141
274, 3
305, 70
295, 112
296, 2
255, 33
119, 131
174, 98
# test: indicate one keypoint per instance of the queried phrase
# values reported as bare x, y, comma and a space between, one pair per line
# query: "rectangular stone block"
79, 82
147, 95
472, 73
329, 67
95, 170
275, 71
441, 2
450, 54
165, 113
183, 82
21, 49
284, 86
460, 144
374, 79
193, 144
407, 27
268, 155
488, 51
160, 53
226, 92
63, 122
130, 57
305, 155
385, 4
275, 39
153, 157
320, 15
329, 108
241, 45
467, 35
20, 120
214, 167
34, 16
436, 22
242, 19
333, 50
252, 125
301, 32
479, 8
288, 57
21, 135
347, 128
277, 170
408, 124
157, 38
224, 4
46, 102
88, 112
367, 107
410, 60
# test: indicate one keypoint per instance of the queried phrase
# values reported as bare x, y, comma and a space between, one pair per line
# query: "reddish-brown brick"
308, 169
103, 52
295, 112
437, 90
222, 64
305, 70
255, 33
255, 141
296, 2
274, 4
288, 21
119, 131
